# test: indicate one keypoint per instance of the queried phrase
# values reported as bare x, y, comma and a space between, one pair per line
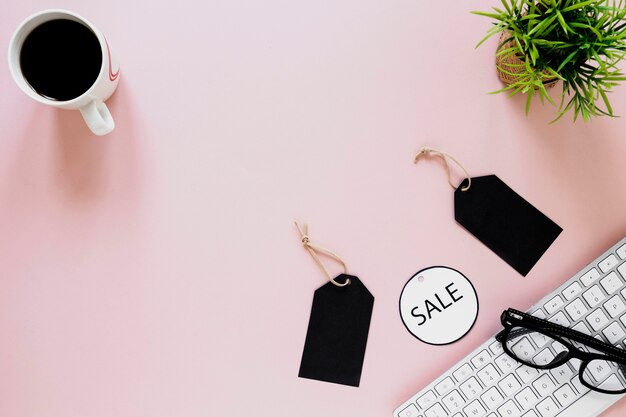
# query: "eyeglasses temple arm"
562, 331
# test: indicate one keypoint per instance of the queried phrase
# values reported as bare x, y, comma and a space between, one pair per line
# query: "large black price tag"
506, 223
337, 334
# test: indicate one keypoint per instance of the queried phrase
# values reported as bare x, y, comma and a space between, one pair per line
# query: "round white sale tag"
438, 305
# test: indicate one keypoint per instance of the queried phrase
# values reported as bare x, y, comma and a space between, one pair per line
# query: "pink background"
157, 272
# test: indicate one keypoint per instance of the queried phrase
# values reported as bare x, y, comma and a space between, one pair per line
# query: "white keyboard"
489, 383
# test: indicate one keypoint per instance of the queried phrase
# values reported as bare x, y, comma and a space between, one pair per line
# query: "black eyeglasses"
541, 344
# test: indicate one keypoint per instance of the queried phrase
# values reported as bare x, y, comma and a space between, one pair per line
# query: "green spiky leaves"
580, 42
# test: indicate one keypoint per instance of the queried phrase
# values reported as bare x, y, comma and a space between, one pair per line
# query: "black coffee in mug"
61, 59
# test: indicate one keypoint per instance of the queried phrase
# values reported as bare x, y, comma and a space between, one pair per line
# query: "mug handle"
98, 117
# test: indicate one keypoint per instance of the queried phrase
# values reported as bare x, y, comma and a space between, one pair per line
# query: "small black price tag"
506, 223
337, 334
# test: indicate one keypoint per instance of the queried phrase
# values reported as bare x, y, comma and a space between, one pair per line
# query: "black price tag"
337, 334
506, 223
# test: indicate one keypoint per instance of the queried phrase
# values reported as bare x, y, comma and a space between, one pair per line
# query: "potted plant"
579, 42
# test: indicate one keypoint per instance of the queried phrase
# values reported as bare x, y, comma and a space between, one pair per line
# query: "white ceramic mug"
91, 102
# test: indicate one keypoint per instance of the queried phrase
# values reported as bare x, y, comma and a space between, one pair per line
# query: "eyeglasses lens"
606, 375
534, 348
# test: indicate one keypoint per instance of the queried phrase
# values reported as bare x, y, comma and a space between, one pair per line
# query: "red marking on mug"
112, 75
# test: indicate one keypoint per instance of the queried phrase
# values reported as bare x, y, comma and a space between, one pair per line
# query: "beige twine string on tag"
445, 156
314, 250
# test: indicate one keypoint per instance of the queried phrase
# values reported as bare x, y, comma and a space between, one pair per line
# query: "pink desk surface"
157, 271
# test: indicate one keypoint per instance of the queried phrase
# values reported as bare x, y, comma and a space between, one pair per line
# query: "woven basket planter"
511, 62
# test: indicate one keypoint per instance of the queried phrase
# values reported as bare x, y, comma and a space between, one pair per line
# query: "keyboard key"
538, 313
608, 263
531, 413
614, 333
474, 409
562, 373
559, 318
589, 277
436, 411
492, 397
481, 359
453, 401
598, 369
572, 291
470, 388
621, 252
582, 327
509, 409
615, 306
463, 372
526, 373
444, 386
576, 309
410, 411
579, 385
597, 319
488, 375
622, 270
547, 408
565, 395
575, 363
610, 383
611, 283
544, 357
496, 348
509, 385
543, 385
526, 398
593, 296
427, 399
558, 347
523, 349
554, 304
540, 339
505, 363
